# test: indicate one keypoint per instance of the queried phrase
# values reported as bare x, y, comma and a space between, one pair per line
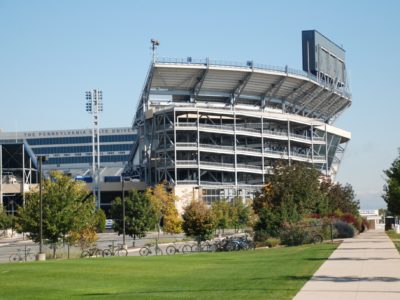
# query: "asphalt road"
9, 246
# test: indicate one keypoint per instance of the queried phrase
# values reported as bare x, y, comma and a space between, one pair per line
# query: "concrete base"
41, 256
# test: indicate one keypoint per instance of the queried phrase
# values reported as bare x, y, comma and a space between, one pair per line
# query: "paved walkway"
365, 267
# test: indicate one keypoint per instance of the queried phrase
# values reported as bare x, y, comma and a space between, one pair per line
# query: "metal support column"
23, 175
234, 147
198, 148
326, 151
1, 177
165, 148
262, 149
312, 144
289, 151
175, 176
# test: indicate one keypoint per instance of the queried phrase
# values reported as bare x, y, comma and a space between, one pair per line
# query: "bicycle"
91, 252
315, 237
115, 251
22, 255
146, 250
173, 249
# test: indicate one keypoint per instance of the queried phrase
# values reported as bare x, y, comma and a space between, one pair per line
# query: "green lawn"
395, 238
261, 274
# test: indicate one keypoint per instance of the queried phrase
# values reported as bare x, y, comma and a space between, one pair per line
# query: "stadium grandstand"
69, 151
214, 129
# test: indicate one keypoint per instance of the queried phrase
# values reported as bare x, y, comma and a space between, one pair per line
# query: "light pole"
94, 106
41, 255
123, 212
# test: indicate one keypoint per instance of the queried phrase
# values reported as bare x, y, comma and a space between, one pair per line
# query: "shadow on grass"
348, 279
349, 259
186, 291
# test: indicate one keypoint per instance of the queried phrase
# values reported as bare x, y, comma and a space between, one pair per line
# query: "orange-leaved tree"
163, 200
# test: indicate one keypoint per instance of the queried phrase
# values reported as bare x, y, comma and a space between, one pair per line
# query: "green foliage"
343, 229
165, 212
239, 214
100, 220
6, 221
294, 192
67, 207
139, 215
293, 235
340, 198
392, 187
220, 211
198, 221
272, 242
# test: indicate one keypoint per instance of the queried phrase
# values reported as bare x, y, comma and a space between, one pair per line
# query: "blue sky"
53, 51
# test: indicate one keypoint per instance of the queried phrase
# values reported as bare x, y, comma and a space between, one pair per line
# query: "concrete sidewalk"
365, 267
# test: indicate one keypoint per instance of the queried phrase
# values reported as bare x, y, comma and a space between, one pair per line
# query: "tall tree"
67, 207
291, 192
392, 187
139, 215
341, 198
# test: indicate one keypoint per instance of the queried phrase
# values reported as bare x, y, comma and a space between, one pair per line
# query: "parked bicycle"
174, 248
22, 255
112, 250
314, 237
147, 250
204, 246
91, 252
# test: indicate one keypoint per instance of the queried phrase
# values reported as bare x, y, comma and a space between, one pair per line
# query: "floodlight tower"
94, 105
154, 44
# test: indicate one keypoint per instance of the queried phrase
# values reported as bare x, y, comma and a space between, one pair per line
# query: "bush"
293, 235
272, 242
261, 235
344, 230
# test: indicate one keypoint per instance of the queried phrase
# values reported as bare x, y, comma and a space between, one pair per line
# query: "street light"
41, 255
123, 210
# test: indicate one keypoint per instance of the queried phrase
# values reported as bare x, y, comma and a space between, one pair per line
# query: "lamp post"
94, 106
41, 255
123, 213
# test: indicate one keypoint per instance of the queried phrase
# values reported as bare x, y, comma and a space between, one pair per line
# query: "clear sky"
51, 52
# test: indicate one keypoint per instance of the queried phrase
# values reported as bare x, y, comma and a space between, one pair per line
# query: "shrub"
344, 230
293, 235
261, 235
272, 242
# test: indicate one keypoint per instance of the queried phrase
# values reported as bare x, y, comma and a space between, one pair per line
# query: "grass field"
395, 238
261, 274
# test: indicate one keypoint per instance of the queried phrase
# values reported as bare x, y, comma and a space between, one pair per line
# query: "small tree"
67, 207
163, 203
220, 211
6, 221
239, 214
139, 215
198, 221
392, 187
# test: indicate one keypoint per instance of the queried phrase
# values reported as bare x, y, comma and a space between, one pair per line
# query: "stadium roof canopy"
253, 84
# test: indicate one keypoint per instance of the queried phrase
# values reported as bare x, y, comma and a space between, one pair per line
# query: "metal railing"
251, 65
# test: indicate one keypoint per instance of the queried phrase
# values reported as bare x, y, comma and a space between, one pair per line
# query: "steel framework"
220, 127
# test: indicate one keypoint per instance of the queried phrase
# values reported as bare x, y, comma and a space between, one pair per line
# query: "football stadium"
214, 129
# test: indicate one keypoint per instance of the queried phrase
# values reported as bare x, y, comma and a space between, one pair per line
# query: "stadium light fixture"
154, 44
